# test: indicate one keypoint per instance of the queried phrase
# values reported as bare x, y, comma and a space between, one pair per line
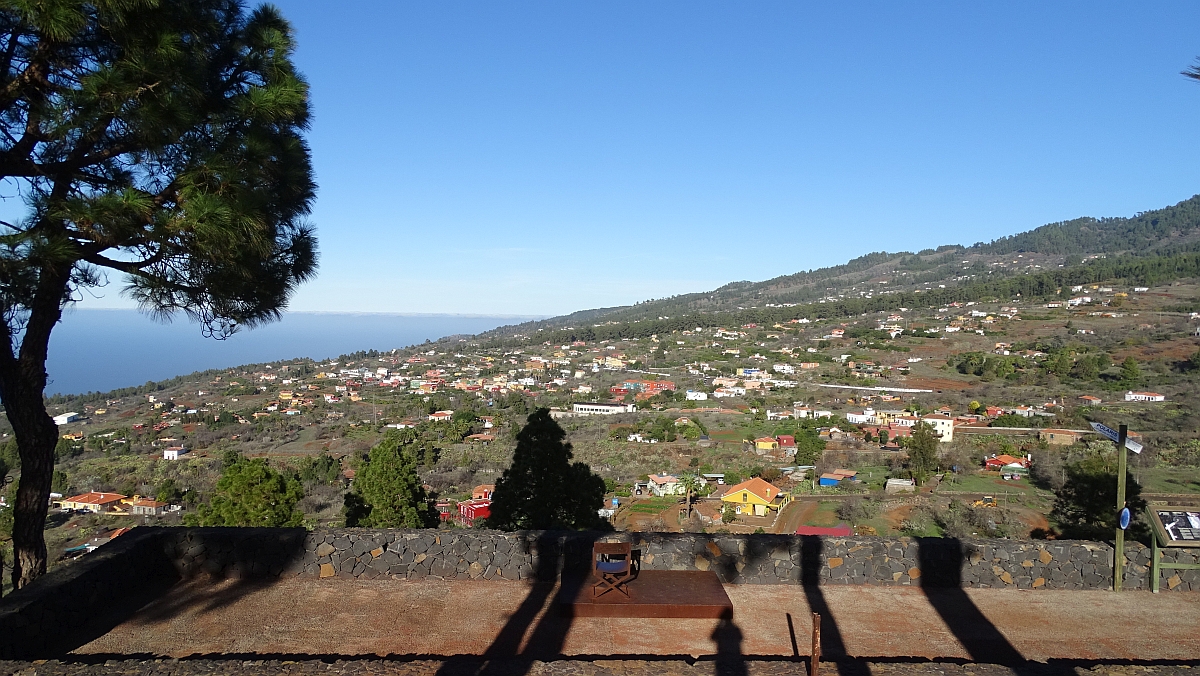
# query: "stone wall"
78, 602
74, 604
740, 559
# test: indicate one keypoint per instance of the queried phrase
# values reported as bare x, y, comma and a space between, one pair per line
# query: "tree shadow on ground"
538, 629
510, 653
941, 561
134, 579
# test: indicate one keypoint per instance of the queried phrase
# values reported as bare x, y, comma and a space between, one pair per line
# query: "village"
747, 428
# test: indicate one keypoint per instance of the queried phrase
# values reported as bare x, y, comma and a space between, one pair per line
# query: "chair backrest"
611, 549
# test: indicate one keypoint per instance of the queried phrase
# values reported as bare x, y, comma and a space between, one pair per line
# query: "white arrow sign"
1112, 434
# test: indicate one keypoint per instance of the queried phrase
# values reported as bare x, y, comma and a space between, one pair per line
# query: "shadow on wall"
941, 561
537, 630
832, 645
131, 575
510, 652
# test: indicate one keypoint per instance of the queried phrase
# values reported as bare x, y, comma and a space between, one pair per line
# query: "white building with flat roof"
603, 409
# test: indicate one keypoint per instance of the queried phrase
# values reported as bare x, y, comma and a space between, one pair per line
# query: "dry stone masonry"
114, 581
741, 559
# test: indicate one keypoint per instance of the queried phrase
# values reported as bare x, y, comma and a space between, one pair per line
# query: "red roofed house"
94, 502
441, 416
999, 462
483, 492
787, 442
664, 484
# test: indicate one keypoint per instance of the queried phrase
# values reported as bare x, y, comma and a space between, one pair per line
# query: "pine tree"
542, 489
155, 141
250, 493
1130, 371
387, 490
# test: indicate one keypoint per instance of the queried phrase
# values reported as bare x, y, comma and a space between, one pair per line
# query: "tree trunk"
37, 436
22, 388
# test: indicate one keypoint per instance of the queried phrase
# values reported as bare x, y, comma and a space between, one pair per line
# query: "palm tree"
691, 484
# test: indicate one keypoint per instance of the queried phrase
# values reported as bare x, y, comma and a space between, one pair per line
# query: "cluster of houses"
897, 423
115, 503
754, 496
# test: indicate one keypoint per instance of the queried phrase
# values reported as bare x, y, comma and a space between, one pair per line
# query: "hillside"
1166, 235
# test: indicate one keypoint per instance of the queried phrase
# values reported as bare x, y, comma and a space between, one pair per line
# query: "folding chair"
613, 567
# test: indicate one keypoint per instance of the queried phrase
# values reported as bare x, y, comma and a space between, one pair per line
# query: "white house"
778, 415
64, 418
174, 452
1144, 396
694, 395
942, 425
665, 484
784, 368
867, 417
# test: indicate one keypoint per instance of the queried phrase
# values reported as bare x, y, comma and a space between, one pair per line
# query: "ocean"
101, 350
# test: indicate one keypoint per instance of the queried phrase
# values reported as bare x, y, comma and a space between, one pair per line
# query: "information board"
1180, 526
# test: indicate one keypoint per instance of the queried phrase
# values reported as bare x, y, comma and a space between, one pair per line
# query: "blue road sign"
1123, 518
615, 503
1112, 434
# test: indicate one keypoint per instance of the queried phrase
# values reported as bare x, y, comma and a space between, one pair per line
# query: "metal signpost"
1124, 445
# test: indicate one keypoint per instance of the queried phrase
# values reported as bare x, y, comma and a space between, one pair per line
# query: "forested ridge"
1163, 237
1143, 231
1137, 270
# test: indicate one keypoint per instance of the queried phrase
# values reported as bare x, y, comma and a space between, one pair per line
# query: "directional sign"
1112, 434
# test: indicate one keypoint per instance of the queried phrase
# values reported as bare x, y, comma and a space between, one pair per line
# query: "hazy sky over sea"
545, 157
102, 350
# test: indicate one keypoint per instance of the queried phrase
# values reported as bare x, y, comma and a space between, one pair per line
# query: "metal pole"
814, 665
1119, 549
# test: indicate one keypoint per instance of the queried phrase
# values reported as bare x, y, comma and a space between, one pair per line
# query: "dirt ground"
306, 616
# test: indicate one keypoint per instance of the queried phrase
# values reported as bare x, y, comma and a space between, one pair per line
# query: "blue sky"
545, 157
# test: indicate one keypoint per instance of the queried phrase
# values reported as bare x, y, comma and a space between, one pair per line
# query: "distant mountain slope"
1168, 231
1147, 230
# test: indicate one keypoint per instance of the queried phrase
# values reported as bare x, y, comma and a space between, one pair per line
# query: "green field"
653, 505
1169, 479
991, 485
826, 514
873, 476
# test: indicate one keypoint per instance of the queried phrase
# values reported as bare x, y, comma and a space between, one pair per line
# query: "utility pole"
1119, 549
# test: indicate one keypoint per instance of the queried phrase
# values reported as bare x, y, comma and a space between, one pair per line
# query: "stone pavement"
299, 618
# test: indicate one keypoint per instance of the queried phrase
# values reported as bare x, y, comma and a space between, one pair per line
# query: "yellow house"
766, 444
755, 496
